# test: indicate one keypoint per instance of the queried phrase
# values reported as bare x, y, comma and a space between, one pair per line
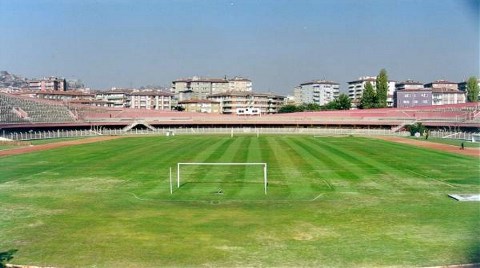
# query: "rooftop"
242, 93
410, 82
150, 93
326, 82
441, 82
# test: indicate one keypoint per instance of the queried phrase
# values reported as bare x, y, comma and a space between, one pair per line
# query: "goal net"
219, 175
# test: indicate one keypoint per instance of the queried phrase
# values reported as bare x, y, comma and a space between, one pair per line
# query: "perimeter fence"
54, 134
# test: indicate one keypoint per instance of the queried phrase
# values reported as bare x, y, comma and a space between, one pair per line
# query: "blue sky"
278, 44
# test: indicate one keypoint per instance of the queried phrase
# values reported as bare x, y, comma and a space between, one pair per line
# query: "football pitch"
330, 202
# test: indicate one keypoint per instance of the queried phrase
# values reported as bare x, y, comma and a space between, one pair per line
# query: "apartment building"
48, 84
445, 92
201, 106
119, 98
234, 102
320, 92
240, 84
200, 88
411, 94
356, 88
151, 100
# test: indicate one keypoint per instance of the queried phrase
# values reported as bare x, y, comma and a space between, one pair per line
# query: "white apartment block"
200, 88
231, 102
446, 92
201, 106
356, 88
408, 85
240, 84
128, 98
118, 98
151, 100
320, 92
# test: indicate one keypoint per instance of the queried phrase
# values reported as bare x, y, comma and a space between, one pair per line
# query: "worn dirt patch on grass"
42, 147
433, 145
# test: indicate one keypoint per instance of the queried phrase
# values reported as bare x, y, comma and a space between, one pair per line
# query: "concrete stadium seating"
16, 109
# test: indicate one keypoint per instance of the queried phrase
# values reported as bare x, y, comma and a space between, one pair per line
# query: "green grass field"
331, 202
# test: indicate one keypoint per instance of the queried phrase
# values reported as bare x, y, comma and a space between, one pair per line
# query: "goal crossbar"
265, 181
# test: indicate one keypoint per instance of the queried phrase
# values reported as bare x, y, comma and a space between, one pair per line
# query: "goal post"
265, 175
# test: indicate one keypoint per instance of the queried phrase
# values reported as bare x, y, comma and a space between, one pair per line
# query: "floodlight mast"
265, 180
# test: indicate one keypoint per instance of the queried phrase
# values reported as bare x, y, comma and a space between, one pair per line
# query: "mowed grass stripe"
278, 174
224, 179
197, 174
324, 164
311, 167
241, 181
358, 164
408, 157
407, 168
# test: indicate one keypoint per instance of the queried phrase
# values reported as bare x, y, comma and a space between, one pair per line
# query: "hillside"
8, 80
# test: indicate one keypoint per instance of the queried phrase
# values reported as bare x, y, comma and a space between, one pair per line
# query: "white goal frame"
265, 177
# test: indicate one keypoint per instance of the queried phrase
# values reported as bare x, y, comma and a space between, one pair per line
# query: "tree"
333, 105
289, 108
369, 97
382, 89
312, 107
343, 102
472, 89
178, 108
417, 127
6, 256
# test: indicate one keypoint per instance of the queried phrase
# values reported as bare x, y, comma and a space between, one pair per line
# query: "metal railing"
40, 135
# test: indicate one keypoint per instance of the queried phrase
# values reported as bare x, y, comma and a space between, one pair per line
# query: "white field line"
421, 175
317, 197
136, 197
328, 184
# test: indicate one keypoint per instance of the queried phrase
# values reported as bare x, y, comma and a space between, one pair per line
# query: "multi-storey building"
48, 84
356, 88
319, 91
118, 98
200, 88
151, 100
233, 102
442, 84
445, 92
201, 106
409, 85
239, 84
411, 94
